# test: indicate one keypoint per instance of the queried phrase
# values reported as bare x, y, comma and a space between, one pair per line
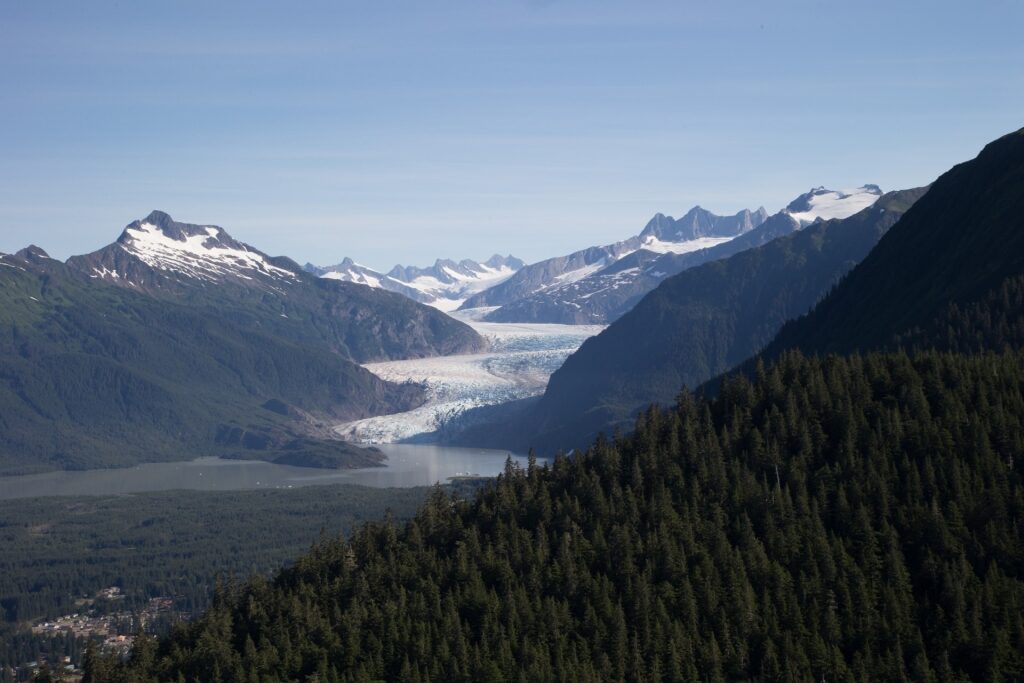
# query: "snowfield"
829, 204
519, 363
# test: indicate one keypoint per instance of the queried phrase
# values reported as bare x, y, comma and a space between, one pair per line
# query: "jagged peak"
158, 218
162, 224
201, 252
32, 252
508, 261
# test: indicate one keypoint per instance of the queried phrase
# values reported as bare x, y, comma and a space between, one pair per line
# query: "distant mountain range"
177, 341
600, 283
446, 285
616, 281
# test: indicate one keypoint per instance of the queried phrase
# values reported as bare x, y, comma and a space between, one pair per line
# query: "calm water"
407, 465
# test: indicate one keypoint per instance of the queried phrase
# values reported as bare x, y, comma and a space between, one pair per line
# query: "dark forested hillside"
958, 246
833, 518
698, 324
93, 375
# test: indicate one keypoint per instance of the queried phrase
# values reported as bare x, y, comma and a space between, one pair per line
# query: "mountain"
445, 285
613, 283
93, 375
204, 266
552, 279
608, 292
957, 250
698, 324
158, 253
840, 519
177, 341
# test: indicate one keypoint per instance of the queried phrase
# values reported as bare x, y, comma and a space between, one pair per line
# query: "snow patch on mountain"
203, 255
578, 274
828, 204
652, 243
446, 285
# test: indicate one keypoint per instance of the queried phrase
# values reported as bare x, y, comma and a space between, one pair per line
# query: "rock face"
699, 222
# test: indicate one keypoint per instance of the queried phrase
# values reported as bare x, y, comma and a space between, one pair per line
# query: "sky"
395, 132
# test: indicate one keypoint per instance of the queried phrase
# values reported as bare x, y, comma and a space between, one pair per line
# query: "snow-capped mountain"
205, 266
159, 251
824, 204
609, 292
696, 230
610, 280
444, 285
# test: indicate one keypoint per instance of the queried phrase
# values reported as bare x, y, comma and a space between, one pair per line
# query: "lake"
407, 465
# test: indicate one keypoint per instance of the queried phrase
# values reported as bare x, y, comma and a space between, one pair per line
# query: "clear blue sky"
391, 131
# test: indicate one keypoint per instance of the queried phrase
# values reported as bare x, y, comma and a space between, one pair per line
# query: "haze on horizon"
407, 133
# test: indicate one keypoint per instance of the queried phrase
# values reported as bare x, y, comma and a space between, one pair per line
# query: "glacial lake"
407, 465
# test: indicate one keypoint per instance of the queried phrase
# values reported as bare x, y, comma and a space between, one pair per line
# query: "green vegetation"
994, 322
833, 518
93, 375
174, 544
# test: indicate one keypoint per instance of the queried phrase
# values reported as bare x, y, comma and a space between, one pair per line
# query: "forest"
57, 551
820, 518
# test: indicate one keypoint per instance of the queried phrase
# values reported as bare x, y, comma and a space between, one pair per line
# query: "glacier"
520, 360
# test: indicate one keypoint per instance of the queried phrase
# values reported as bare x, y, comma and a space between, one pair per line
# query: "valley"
530, 342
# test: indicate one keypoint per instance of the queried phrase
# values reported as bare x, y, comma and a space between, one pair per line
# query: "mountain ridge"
445, 285
889, 294
614, 281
